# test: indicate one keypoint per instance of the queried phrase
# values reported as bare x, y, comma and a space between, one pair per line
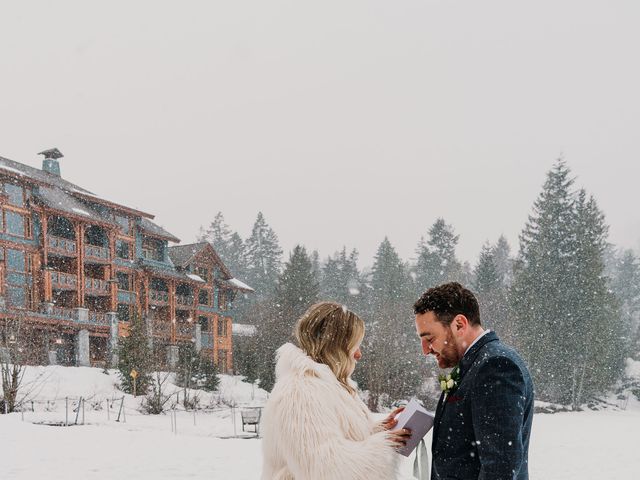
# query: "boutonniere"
449, 381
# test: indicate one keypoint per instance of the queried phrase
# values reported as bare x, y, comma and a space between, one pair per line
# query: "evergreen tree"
297, 289
134, 353
391, 361
263, 259
559, 294
625, 284
600, 350
492, 294
227, 244
503, 260
341, 280
195, 370
436, 258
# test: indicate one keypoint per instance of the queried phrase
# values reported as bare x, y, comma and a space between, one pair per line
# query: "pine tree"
134, 353
436, 258
559, 297
341, 280
297, 289
492, 292
503, 260
263, 259
625, 284
391, 358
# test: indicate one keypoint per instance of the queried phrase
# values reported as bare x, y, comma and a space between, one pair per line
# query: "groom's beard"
448, 357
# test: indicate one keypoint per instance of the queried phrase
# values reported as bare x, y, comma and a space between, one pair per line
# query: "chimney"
50, 162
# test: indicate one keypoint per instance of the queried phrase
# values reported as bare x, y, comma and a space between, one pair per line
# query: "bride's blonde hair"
329, 333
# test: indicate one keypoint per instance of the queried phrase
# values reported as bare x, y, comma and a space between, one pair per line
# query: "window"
222, 327
15, 223
153, 249
203, 273
18, 278
124, 223
15, 193
204, 323
204, 298
123, 249
222, 360
124, 281
124, 312
222, 300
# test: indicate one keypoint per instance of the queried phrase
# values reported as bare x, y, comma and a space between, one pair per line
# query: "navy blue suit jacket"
482, 427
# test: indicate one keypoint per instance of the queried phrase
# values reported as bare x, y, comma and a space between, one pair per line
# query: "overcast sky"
343, 121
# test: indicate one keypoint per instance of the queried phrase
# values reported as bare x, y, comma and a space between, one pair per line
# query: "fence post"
83, 401
108, 414
66, 411
78, 410
120, 410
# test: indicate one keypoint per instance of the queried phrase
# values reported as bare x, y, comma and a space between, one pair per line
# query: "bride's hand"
390, 422
399, 437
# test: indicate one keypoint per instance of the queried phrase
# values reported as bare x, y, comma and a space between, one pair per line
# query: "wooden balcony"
62, 246
96, 287
184, 329
96, 254
184, 301
63, 281
161, 328
158, 297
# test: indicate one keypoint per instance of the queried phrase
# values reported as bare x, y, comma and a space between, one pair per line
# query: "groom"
483, 418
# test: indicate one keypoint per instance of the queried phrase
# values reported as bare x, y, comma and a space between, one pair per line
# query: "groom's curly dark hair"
447, 301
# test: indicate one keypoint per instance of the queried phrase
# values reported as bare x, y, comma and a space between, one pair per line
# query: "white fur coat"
314, 429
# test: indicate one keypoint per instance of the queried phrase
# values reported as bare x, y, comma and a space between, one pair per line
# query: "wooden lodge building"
75, 269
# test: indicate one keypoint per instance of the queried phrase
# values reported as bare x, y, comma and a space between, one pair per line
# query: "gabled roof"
60, 201
20, 170
183, 255
151, 228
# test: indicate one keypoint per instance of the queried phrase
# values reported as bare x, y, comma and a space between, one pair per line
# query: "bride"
315, 426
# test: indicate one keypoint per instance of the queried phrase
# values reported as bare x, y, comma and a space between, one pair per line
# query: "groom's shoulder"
499, 355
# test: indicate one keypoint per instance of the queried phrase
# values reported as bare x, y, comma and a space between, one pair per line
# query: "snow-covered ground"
565, 446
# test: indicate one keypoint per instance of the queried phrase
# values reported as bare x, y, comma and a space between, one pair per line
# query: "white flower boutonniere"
450, 381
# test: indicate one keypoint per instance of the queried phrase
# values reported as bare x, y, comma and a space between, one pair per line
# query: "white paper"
418, 420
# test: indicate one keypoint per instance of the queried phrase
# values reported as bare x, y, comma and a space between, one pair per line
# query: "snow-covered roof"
59, 200
241, 285
148, 226
243, 330
233, 284
54, 181
195, 277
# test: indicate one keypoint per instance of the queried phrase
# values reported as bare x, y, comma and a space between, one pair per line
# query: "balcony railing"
64, 312
161, 328
63, 245
98, 318
158, 296
185, 300
94, 251
184, 329
77, 315
96, 285
64, 281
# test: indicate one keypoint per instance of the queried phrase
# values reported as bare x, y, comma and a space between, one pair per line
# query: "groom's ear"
460, 322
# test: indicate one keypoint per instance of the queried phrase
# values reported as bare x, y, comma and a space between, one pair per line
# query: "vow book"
418, 420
